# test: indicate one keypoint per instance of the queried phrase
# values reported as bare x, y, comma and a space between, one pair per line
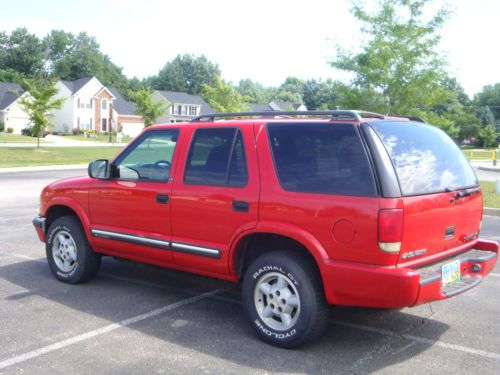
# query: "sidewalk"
43, 168
59, 141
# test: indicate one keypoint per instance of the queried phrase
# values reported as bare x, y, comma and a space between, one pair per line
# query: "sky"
265, 41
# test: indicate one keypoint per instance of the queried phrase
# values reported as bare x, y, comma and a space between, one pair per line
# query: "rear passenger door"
214, 196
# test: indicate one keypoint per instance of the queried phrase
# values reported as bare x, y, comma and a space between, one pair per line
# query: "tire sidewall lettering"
276, 334
270, 268
53, 232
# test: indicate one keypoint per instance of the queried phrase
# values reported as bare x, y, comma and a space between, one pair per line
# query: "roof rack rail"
411, 118
335, 115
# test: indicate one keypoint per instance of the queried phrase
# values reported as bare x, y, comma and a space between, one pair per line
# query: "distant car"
335, 207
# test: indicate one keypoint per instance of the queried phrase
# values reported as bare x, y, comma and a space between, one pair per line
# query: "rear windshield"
425, 158
321, 158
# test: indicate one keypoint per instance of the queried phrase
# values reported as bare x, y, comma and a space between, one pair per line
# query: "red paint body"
340, 232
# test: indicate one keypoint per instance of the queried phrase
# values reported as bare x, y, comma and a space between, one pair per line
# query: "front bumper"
396, 287
39, 222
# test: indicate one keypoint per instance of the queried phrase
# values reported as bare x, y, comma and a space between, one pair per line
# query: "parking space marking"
100, 331
419, 339
212, 295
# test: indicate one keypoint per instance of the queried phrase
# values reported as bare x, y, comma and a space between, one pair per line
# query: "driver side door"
130, 212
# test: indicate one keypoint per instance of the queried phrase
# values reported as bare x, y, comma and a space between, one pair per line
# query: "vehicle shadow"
358, 340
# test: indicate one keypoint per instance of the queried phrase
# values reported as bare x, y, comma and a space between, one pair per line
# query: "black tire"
86, 263
311, 315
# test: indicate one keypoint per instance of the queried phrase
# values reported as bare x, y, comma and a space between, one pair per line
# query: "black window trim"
237, 131
362, 141
132, 147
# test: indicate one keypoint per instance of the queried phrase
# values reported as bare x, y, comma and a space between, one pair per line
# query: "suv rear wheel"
70, 257
283, 298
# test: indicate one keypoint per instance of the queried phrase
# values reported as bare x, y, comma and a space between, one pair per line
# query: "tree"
223, 97
488, 103
38, 105
488, 136
255, 91
291, 90
148, 108
187, 73
76, 56
399, 58
22, 52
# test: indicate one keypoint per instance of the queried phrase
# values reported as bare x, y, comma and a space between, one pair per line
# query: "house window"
193, 111
104, 125
78, 103
104, 104
179, 109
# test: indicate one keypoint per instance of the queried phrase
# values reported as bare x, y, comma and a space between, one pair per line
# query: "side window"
321, 158
150, 159
216, 157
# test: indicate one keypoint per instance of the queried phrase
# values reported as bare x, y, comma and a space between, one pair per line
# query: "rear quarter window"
321, 158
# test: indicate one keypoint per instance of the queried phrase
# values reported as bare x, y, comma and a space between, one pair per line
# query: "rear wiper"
465, 192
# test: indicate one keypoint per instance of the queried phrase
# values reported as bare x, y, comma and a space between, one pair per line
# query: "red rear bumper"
396, 287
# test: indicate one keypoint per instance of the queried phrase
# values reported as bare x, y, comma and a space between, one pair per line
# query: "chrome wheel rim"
64, 251
277, 301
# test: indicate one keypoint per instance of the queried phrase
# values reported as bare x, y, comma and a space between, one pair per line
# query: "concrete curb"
490, 169
491, 211
44, 168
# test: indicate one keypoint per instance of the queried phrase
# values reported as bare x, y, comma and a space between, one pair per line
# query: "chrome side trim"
146, 241
152, 242
196, 250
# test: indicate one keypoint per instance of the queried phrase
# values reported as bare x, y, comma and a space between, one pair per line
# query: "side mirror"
100, 169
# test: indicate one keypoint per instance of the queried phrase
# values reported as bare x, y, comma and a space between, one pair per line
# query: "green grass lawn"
29, 156
491, 199
17, 138
97, 138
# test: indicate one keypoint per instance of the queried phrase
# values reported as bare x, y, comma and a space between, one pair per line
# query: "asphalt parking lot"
138, 319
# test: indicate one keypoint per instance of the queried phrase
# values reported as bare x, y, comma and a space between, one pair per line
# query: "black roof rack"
335, 115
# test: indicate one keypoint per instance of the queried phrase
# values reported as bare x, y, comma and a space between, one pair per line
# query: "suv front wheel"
283, 298
70, 257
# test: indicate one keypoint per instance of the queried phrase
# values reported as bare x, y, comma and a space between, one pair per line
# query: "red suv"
335, 207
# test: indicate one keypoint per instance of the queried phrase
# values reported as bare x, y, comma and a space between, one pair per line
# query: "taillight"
390, 229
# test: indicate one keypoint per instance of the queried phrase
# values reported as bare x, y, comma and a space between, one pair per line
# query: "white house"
87, 106
12, 114
277, 106
181, 106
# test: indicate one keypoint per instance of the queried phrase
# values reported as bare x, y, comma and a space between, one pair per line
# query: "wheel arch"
265, 238
65, 206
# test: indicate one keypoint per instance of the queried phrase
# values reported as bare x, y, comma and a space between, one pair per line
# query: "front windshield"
425, 158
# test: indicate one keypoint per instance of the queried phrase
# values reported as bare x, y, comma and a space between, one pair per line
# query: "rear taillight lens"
390, 229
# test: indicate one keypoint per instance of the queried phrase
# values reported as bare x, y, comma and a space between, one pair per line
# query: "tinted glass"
425, 158
216, 157
321, 158
150, 158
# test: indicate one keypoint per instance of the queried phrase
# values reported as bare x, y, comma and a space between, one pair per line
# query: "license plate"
450, 272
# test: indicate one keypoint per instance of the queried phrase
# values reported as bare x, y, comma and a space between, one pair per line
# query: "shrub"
10, 130
2, 126
76, 131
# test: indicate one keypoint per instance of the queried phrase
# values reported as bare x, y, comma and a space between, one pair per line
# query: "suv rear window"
425, 158
321, 158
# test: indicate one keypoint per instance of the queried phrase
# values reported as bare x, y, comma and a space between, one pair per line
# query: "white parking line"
495, 274
97, 332
423, 340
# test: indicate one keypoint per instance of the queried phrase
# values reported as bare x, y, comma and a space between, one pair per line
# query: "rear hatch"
440, 192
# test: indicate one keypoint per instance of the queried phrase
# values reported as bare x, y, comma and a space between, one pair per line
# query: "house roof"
286, 106
122, 107
184, 98
76, 85
258, 107
9, 93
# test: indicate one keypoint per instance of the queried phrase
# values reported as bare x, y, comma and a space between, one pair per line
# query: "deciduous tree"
148, 108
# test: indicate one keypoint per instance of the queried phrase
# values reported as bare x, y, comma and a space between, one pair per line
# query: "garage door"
17, 123
132, 128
